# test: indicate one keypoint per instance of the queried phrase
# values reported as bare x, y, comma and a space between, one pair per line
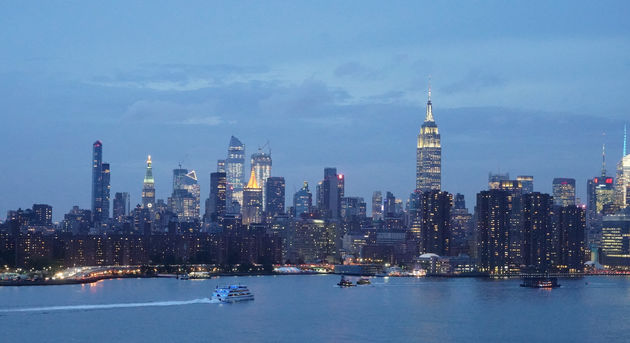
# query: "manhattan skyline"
357, 108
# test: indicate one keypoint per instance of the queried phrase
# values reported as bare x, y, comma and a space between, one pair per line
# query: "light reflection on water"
310, 308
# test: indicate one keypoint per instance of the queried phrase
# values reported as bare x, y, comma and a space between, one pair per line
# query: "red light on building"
596, 180
609, 180
564, 183
340, 176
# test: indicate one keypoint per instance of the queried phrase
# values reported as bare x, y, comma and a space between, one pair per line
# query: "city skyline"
352, 98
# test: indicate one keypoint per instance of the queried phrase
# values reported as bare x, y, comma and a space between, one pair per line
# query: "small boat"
232, 293
345, 283
364, 281
184, 277
540, 282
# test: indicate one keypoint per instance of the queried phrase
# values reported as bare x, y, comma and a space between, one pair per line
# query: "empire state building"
429, 154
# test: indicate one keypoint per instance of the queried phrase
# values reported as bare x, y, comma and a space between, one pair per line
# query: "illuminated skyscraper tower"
100, 184
622, 188
252, 201
429, 153
234, 172
148, 187
261, 164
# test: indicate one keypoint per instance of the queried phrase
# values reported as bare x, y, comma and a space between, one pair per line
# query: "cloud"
474, 81
180, 77
354, 70
172, 113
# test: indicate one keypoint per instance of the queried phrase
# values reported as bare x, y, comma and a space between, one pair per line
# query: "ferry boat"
345, 283
232, 293
540, 282
364, 281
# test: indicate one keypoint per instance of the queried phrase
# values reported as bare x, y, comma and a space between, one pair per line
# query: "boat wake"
110, 306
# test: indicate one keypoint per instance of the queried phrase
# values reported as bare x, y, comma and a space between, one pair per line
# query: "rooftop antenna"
604, 158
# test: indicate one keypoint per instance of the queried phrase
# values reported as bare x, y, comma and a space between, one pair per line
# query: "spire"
252, 180
429, 116
604, 160
148, 177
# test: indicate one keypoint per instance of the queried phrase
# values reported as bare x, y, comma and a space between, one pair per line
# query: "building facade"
429, 153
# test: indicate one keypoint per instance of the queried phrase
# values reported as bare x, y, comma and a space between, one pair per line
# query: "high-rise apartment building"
275, 196
215, 205
435, 212
429, 153
538, 244
100, 184
493, 231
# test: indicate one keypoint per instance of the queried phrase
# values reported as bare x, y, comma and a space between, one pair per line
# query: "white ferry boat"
232, 293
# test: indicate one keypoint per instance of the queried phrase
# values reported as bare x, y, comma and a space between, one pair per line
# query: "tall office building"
389, 206
352, 208
185, 199
493, 231
435, 211
261, 164
622, 187
302, 201
377, 205
215, 205
252, 201
429, 153
275, 198
100, 184
122, 205
329, 194
563, 192
527, 183
615, 244
538, 244
234, 165
600, 192
494, 180
148, 187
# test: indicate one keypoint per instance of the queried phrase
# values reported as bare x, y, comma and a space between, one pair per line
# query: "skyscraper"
234, 165
622, 187
538, 243
527, 183
563, 191
435, 207
429, 153
570, 228
42, 214
215, 205
329, 193
377, 205
100, 184
302, 201
261, 163
185, 198
106, 190
121, 206
493, 227
275, 197
252, 201
148, 187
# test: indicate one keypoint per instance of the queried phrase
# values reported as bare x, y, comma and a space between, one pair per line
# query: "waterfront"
309, 308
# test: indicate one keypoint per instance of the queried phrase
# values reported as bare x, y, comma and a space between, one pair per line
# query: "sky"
529, 88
